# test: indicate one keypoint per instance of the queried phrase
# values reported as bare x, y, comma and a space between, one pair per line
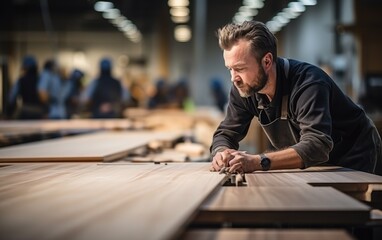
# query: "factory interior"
139, 166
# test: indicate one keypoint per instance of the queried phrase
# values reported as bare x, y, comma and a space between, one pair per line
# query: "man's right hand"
221, 159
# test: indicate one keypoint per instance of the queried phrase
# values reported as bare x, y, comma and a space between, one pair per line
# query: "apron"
280, 132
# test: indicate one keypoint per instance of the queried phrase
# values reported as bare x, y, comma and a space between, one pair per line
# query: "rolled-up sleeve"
311, 106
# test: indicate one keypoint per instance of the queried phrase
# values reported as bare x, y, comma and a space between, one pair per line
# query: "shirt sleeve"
313, 115
235, 125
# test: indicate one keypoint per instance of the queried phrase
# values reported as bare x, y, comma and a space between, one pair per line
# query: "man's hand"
242, 162
221, 159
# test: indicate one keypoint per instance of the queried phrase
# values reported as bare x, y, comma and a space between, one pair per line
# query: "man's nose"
233, 76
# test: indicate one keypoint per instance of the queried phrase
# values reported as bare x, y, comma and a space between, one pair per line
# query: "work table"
122, 200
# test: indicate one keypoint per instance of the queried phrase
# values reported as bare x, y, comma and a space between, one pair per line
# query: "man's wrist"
217, 149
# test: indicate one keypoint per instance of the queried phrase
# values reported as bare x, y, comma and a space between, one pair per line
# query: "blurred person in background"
181, 97
105, 96
162, 96
220, 96
25, 89
73, 101
54, 89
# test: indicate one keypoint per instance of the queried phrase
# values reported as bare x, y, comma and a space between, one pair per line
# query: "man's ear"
267, 60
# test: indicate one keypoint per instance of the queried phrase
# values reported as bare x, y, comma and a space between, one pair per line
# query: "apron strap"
284, 104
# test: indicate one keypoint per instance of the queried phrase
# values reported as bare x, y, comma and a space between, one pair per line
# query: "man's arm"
283, 159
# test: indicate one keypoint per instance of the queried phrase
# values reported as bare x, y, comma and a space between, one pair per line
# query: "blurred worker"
25, 89
162, 96
305, 115
73, 101
181, 96
105, 96
54, 90
219, 94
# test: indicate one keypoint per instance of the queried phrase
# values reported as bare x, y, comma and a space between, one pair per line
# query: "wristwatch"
265, 162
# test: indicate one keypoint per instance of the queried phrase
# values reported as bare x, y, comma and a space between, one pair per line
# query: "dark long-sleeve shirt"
332, 128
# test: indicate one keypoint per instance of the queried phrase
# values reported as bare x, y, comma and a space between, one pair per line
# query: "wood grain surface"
9, 126
343, 179
285, 204
101, 201
267, 234
100, 146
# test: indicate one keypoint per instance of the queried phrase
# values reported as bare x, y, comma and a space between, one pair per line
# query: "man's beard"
246, 91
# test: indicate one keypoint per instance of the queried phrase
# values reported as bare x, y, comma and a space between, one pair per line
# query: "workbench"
121, 200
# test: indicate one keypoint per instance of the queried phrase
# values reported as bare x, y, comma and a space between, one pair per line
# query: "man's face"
247, 74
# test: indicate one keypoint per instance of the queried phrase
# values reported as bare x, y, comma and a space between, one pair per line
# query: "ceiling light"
290, 13
253, 3
249, 11
182, 33
178, 3
111, 13
102, 6
180, 19
296, 6
308, 2
179, 11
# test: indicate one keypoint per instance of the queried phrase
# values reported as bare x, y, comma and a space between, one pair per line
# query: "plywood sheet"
101, 201
100, 146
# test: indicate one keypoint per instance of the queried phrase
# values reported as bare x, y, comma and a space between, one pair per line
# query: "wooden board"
21, 131
101, 201
343, 179
266, 234
100, 146
283, 205
8, 126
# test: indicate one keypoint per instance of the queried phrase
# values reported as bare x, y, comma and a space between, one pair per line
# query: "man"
105, 95
304, 114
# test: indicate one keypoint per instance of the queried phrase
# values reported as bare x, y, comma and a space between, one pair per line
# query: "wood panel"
101, 201
67, 124
100, 146
266, 234
341, 178
282, 205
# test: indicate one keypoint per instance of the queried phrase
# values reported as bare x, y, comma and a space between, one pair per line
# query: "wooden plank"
343, 179
278, 205
101, 201
8, 126
21, 131
100, 146
266, 234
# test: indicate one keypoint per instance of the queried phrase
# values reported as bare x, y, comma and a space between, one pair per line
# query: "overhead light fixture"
179, 11
102, 6
111, 13
296, 6
293, 10
178, 3
116, 18
308, 2
248, 10
180, 19
182, 33
254, 3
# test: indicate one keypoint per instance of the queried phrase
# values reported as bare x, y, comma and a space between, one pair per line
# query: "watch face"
265, 163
